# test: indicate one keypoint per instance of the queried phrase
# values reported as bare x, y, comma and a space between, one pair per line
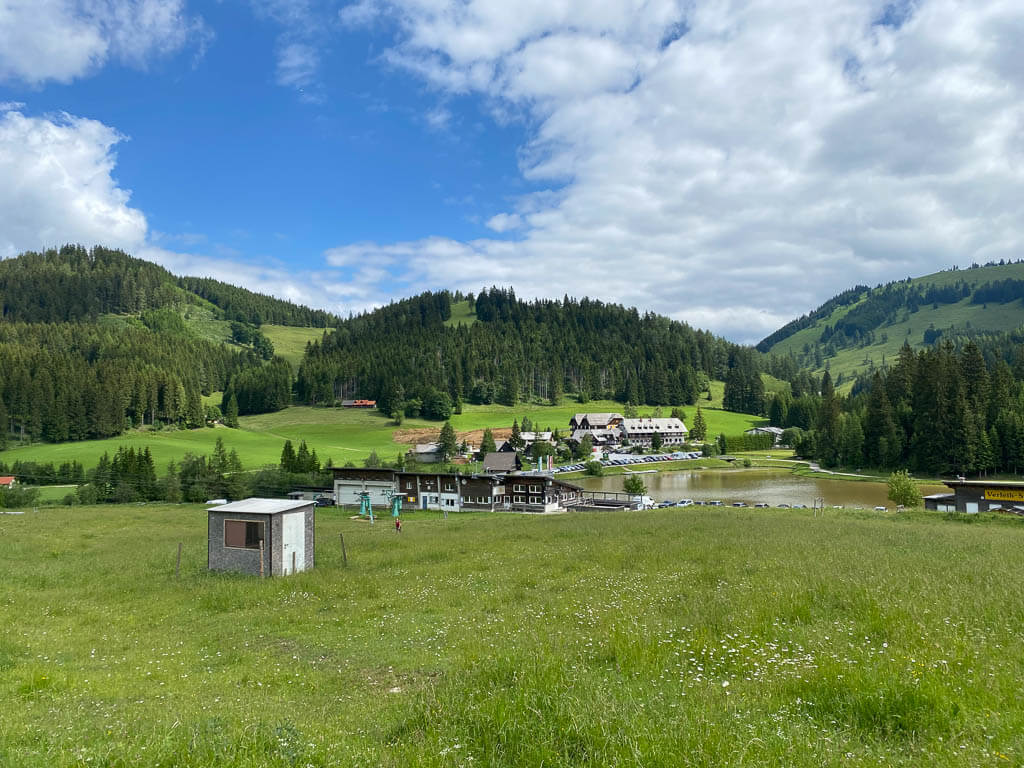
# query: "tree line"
949, 409
515, 351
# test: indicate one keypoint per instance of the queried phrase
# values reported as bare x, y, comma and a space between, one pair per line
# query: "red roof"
7, 480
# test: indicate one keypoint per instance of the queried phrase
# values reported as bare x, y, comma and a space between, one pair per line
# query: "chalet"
358, 403
7, 481
601, 438
500, 463
592, 421
450, 492
641, 431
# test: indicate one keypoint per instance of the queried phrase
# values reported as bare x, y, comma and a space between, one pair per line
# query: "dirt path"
427, 435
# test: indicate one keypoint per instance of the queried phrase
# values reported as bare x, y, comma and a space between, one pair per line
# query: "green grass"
663, 638
290, 342
341, 434
910, 328
463, 313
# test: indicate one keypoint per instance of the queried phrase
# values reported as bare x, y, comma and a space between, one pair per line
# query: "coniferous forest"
406, 353
92, 342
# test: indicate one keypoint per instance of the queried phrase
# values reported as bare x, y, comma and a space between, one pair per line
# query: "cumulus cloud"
58, 185
732, 163
62, 40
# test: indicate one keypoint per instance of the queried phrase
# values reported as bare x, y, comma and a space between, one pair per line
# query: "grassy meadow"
662, 638
341, 434
290, 342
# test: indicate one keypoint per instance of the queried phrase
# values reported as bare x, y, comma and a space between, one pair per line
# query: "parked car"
738, 504
663, 504
685, 503
714, 503
760, 505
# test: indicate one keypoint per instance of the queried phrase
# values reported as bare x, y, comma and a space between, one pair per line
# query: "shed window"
243, 534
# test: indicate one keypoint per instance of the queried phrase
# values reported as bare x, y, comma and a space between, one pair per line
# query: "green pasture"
463, 313
668, 638
341, 434
290, 342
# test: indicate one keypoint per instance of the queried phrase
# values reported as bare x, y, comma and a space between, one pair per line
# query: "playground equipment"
365, 507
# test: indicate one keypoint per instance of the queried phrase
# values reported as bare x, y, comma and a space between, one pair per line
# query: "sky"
728, 163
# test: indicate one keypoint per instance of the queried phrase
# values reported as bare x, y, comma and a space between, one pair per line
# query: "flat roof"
985, 483
262, 506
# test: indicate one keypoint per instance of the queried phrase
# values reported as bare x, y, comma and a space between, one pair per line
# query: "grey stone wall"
221, 558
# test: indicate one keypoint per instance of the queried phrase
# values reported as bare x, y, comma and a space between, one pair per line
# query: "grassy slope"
289, 342
463, 313
342, 434
667, 638
997, 317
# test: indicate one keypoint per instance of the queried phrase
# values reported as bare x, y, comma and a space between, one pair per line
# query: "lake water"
772, 486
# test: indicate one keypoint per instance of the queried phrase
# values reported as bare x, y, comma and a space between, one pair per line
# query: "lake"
772, 486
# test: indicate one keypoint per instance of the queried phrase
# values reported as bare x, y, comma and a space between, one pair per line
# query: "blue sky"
717, 162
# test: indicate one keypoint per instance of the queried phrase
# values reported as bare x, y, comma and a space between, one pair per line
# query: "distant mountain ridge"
862, 328
75, 283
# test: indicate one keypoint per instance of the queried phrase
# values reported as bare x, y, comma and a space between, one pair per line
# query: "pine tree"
287, 463
487, 444
699, 429
230, 409
516, 440
448, 442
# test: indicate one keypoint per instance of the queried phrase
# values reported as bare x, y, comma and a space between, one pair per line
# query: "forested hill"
508, 350
862, 329
93, 342
74, 283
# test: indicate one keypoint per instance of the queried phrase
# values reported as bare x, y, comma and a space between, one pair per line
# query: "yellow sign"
1004, 494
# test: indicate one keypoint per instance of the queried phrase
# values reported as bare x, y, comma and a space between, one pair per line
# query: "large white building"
641, 431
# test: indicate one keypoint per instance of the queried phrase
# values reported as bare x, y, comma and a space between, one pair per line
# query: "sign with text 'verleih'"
1004, 494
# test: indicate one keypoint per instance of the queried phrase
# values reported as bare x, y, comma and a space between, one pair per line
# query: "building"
449, 492
592, 421
500, 463
425, 453
8, 481
266, 537
641, 431
358, 403
775, 432
973, 496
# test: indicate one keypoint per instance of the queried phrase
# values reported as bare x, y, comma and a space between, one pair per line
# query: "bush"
903, 490
594, 468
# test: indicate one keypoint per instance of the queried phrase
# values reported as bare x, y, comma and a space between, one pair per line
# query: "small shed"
272, 537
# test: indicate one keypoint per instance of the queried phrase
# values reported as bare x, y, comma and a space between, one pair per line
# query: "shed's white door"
293, 540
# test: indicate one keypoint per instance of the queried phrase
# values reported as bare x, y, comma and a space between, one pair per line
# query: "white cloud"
359, 14
58, 185
503, 222
733, 162
62, 40
297, 65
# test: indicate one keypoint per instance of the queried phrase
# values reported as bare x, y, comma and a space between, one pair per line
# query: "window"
449, 487
408, 485
243, 534
518, 499
449, 502
519, 487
